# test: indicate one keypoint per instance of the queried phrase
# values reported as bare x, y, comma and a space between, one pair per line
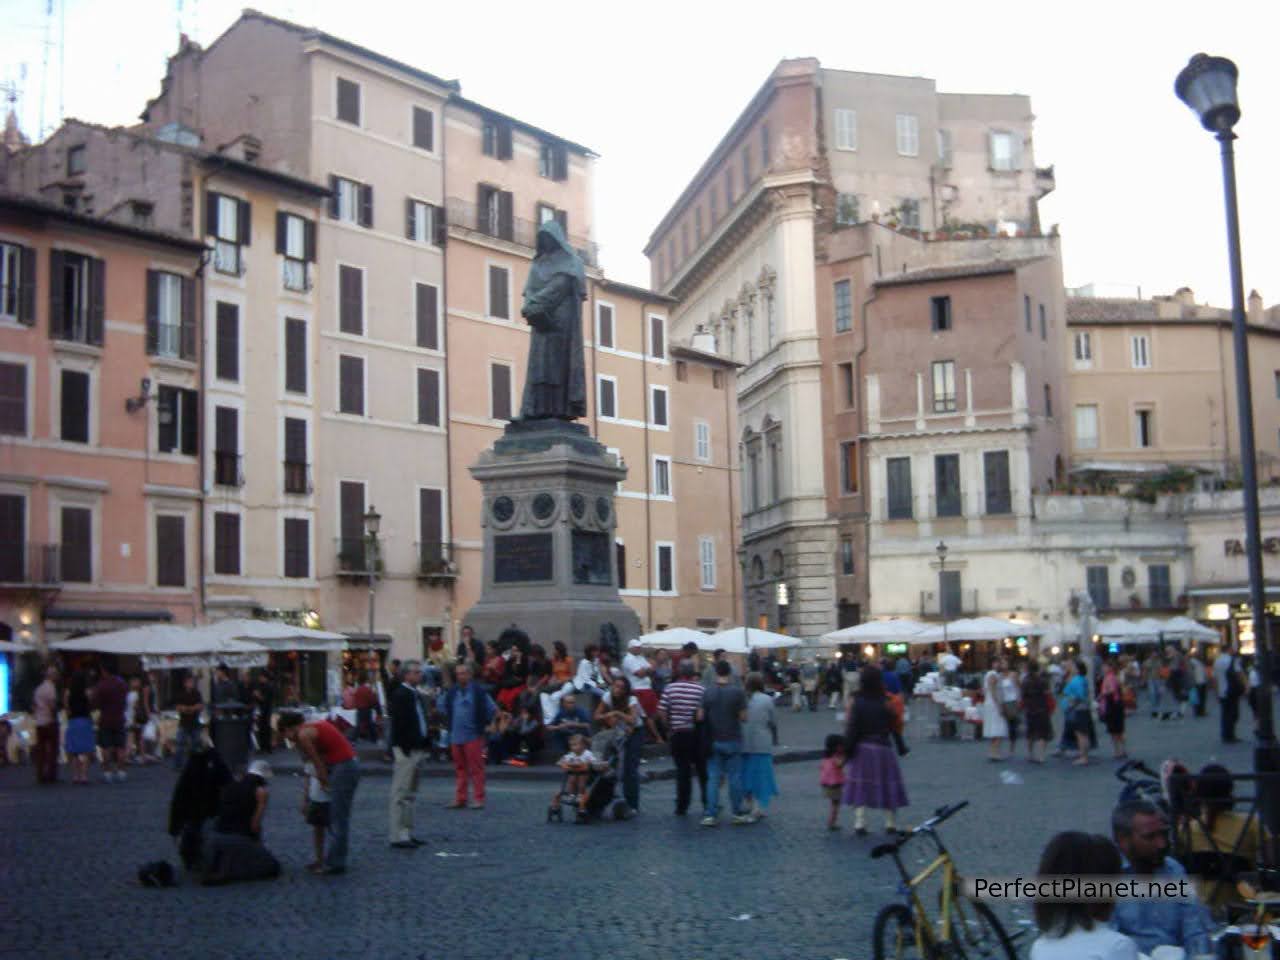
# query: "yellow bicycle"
965, 928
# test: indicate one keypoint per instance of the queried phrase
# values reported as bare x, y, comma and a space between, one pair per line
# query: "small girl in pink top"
831, 776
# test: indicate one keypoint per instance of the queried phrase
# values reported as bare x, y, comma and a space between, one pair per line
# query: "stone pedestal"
549, 555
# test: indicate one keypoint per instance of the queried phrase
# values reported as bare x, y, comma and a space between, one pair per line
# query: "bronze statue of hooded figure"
555, 385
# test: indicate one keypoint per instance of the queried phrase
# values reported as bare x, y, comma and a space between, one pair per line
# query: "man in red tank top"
323, 745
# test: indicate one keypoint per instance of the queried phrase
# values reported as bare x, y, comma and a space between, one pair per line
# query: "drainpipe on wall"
201, 420
728, 468
450, 640
648, 503
862, 453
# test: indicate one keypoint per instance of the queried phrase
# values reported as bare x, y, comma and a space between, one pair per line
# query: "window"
666, 567
995, 472
1048, 401
944, 386
898, 481
432, 548
604, 325
426, 307
844, 305
1140, 351
844, 373
77, 545
170, 315
846, 209
1005, 152
940, 313
228, 221
849, 466
946, 480
76, 160
775, 467
702, 441
846, 130
499, 391
764, 146
553, 161
226, 543
297, 547
77, 294
1026, 311
424, 129
1158, 581
348, 101
171, 551
496, 139
351, 385
227, 352
75, 406
17, 283
908, 135
682, 371
1144, 427
909, 211
846, 556
295, 456
657, 337
296, 242
658, 406
607, 397
717, 379
770, 316
351, 542
350, 299
944, 149
429, 397
1083, 351
13, 399
755, 497
177, 421
295, 355
226, 447
1098, 582
1086, 427
949, 595
423, 222
1044, 324
546, 213
499, 292
707, 562
662, 476
350, 201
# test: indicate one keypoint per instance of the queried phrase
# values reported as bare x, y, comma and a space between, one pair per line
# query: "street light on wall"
1208, 86
372, 522
941, 551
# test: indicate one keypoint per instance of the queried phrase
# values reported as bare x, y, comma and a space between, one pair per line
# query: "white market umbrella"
9, 646
981, 628
1119, 630
877, 631
746, 639
161, 641
1184, 628
274, 635
675, 638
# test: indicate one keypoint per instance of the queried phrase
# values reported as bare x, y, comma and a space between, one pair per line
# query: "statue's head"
551, 239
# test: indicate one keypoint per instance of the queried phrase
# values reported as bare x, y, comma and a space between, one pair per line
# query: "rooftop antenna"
44, 64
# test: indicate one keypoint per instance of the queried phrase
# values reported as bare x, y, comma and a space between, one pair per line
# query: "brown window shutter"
13, 406
226, 430
351, 510
97, 299
171, 560
428, 317
167, 416
366, 205
77, 544
57, 266
153, 311
504, 140
351, 385
282, 232
500, 398
295, 355
244, 225
227, 335
429, 397
348, 101
295, 440
210, 214
75, 406
439, 228
309, 240
482, 208
423, 131
430, 522
333, 196
560, 163
190, 405
226, 543
499, 296
297, 547
350, 300
27, 286
408, 218
187, 327
506, 215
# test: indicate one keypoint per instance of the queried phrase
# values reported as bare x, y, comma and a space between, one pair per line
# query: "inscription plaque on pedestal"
522, 557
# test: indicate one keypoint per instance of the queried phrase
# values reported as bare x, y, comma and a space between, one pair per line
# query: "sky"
652, 86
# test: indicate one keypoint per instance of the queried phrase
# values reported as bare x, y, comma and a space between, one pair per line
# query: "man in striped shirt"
681, 708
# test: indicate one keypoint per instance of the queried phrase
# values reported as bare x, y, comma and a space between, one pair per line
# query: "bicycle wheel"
976, 934
894, 934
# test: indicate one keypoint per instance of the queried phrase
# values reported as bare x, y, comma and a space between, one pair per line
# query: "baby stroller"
602, 781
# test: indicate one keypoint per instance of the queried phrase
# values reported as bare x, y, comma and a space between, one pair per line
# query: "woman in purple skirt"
872, 777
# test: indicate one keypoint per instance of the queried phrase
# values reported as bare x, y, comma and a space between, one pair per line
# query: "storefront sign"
1235, 548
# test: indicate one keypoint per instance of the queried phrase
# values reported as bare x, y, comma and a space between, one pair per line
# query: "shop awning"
368, 641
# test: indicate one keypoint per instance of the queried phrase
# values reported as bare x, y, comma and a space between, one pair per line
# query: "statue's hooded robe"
555, 383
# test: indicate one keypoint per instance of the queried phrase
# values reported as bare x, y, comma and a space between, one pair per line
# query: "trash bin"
230, 733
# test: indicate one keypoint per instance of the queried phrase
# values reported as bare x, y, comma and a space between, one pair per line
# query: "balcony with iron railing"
995, 503
296, 275
226, 469
1143, 597
29, 564
938, 607
297, 477
357, 557
435, 561
471, 217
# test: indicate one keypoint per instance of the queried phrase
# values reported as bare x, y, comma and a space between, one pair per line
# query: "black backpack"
157, 873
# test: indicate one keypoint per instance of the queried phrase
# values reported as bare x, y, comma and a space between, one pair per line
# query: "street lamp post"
372, 520
941, 551
1208, 86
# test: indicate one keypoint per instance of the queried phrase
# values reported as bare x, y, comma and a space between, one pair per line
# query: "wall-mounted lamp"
134, 404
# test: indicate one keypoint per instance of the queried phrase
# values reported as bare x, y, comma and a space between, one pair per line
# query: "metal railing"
30, 563
169, 339
296, 275
297, 477
73, 325
964, 605
1143, 596
226, 469
358, 556
435, 560
469, 216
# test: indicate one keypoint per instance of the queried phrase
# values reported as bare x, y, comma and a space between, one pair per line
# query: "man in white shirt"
1226, 677
639, 673
948, 663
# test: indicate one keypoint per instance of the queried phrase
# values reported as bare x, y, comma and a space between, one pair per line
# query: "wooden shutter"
282, 232
187, 323
428, 317
77, 544
350, 300
334, 206
75, 406
482, 207
210, 214
171, 551
500, 391
244, 223
297, 547
366, 205
409, 224
605, 331
657, 344
351, 510
57, 275
506, 217
295, 440
26, 286
559, 163
226, 543
430, 522
167, 419
348, 101
190, 403
13, 398
499, 305
660, 407
13, 537
153, 311
309, 241
439, 229
295, 355
423, 129
664, 569
226, 436
504, 140
97, 299
429, 397
351, 385
228, 342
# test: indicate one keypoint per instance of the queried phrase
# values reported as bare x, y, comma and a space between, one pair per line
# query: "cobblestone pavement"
504, 884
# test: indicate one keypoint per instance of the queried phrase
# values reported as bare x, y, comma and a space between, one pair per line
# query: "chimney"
1184, 296
1253, 313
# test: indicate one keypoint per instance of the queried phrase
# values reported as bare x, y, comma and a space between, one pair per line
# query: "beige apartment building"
369, 127
1152, 385
746, 250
